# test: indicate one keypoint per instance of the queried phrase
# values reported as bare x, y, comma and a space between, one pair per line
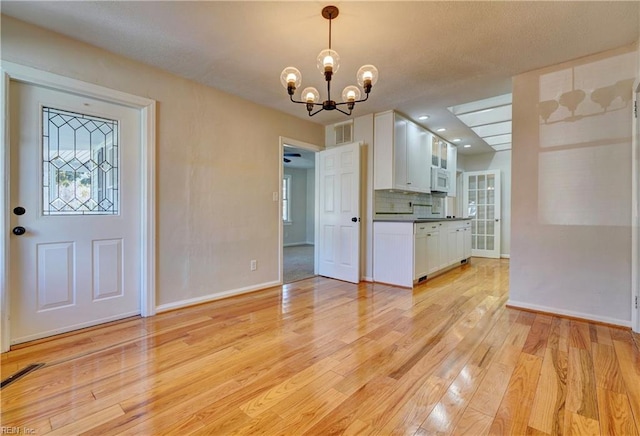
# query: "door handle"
19, 230
497, 220
355, 220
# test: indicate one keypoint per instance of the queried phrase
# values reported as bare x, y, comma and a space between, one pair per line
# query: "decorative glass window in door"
80, 161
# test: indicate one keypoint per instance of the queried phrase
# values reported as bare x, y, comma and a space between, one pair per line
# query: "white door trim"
306, 146
12, 71
635, 212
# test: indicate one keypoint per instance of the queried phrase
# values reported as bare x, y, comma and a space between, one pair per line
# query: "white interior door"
482, 203
75, 198
339, 212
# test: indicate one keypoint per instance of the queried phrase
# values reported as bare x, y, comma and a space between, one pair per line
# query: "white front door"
339, 212
75, 219
482, 203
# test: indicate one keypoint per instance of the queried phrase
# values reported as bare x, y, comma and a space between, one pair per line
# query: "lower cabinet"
467, 240
405, 252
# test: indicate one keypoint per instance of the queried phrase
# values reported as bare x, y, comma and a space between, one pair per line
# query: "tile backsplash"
408, 205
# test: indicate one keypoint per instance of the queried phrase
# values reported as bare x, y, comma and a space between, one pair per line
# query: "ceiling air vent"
344, 133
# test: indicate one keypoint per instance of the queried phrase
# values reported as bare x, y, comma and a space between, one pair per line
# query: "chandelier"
328, 64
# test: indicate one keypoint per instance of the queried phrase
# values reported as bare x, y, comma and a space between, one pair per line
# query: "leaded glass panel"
80, 163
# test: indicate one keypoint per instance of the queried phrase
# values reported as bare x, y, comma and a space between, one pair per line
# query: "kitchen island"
407, 251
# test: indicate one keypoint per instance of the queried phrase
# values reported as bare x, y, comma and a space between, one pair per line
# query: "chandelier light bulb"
350, 94
291, 78
328, 61
367, 76
310, 95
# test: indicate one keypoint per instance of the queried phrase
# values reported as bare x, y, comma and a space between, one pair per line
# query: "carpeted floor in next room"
298, 263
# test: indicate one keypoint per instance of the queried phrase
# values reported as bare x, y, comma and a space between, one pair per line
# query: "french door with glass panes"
482, 203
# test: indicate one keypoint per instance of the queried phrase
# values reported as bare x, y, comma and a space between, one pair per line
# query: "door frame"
11, 71
305, 146
635, 213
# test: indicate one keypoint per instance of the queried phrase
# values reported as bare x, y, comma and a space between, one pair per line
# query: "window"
80, 164
286, 198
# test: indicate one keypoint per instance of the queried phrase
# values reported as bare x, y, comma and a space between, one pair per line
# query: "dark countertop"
396, 219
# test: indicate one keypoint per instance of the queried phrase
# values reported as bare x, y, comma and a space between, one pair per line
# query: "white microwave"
439, 180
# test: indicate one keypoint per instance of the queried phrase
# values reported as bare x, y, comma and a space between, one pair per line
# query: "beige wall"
571, 187
217, 165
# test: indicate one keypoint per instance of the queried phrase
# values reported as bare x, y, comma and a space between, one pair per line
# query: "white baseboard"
212, 297
295, 244
505, 256
74, 327
569, 313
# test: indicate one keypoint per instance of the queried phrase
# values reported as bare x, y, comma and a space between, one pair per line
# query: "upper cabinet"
402, 154
452, 163
439, 153
445, 156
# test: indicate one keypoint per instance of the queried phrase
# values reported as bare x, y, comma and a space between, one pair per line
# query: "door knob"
354, 219
19, 210
19, 230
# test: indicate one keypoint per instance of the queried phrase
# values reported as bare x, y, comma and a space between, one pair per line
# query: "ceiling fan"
287, 155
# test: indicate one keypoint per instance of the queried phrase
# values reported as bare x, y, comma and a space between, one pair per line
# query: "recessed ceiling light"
456, 140
467, 146
423, 117
442, 129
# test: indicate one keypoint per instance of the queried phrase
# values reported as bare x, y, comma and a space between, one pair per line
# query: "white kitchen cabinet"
420, 252
418, 171
401, 154
452, 163
452, 245
467, 239
433, 252
405, 253
393, 255
459, 241
443, 257
439, 153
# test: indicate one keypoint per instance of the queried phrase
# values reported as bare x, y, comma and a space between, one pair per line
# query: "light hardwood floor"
325, 357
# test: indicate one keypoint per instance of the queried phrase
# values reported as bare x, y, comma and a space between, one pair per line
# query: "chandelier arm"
313, 113
354, 102
303, 102
340, 110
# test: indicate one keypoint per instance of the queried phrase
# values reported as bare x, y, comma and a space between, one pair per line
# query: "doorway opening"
298, 213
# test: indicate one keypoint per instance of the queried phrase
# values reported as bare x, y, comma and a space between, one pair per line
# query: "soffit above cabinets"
489, 118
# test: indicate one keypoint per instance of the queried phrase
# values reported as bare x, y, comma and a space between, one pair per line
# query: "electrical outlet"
254, 265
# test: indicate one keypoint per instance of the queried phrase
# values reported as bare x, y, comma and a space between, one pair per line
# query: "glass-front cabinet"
438, 152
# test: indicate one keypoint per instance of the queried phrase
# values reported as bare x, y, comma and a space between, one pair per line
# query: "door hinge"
636, 301
635, 108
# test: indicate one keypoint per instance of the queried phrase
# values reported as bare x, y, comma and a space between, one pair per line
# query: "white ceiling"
431, 55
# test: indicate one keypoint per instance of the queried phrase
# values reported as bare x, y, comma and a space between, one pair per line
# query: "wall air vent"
344, 133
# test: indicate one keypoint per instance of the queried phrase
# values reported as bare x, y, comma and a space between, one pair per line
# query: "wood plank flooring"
324, 357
